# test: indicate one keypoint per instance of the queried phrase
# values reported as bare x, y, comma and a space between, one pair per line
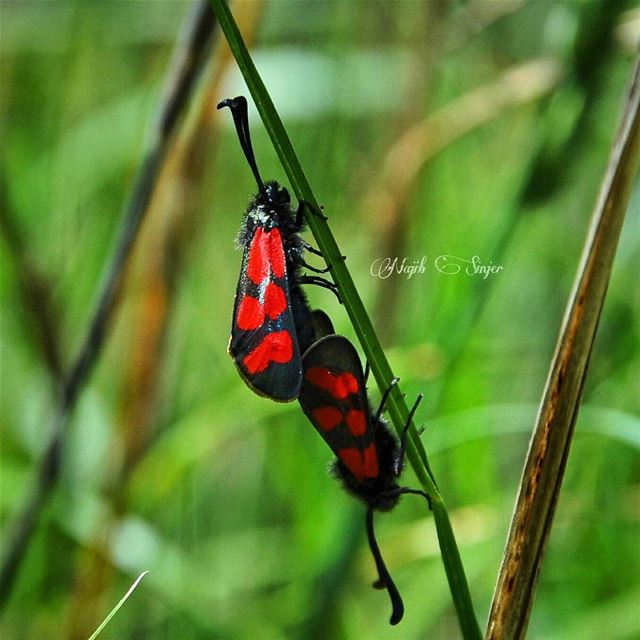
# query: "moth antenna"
384, 579
385, 396
405, 431
240, 113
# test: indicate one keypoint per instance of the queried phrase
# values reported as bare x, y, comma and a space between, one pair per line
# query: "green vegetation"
425, 129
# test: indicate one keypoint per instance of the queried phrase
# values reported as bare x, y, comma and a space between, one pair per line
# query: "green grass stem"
115, 609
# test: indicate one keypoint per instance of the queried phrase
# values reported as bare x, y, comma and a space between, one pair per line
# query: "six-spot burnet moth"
369, 458
271, 325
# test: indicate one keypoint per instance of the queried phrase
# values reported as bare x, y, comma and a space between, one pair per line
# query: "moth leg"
385, 395
314, 210
311, 249
316, 252
405, 433
418, 492
321, 282
305, 264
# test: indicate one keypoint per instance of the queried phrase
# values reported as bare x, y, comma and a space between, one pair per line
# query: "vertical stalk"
551, 441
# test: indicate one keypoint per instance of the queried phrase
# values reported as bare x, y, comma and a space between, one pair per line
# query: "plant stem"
117, 608
380, 368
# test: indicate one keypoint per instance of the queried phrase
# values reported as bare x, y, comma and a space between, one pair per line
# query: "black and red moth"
369, 458
271, 324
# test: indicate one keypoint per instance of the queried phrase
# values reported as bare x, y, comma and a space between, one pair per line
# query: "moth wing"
333, 396
264, 344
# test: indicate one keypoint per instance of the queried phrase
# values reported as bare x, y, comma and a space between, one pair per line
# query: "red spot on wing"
275, 302
266, 255
327, 418
250, 314
276, 253
352, 459
258, 263
370, 459
356, 422
275, 347
362, 464
339, 386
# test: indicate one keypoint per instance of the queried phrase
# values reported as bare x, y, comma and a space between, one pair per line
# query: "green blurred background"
455, 129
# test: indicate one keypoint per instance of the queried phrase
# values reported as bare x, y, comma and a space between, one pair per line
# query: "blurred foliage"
172, 464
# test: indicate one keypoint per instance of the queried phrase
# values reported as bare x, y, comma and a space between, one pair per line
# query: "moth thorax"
263, 216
